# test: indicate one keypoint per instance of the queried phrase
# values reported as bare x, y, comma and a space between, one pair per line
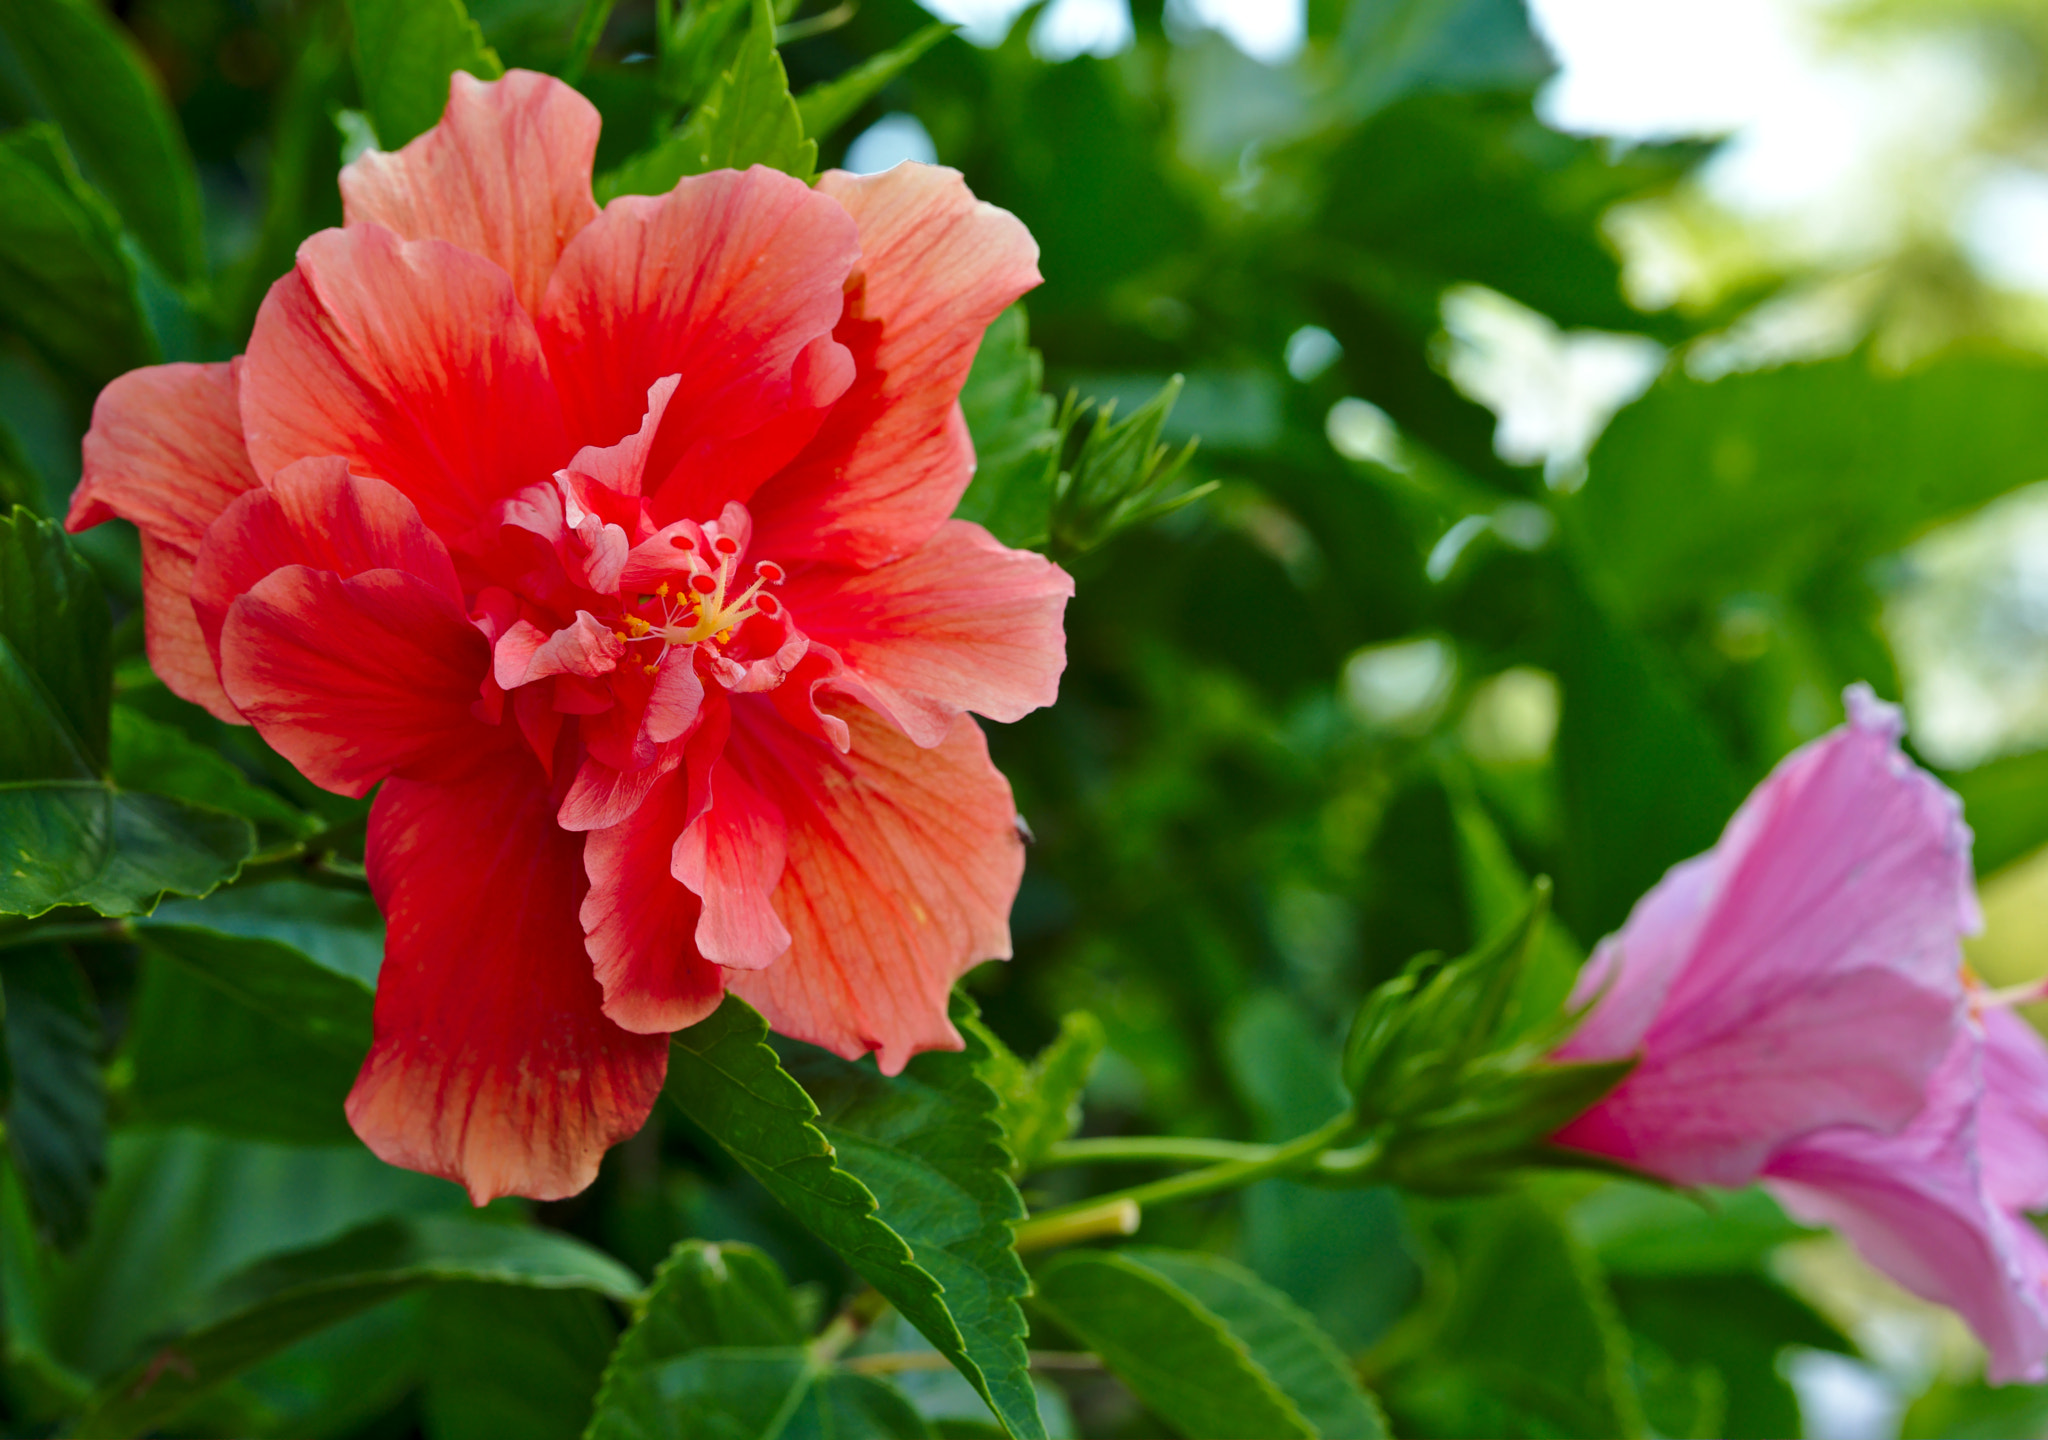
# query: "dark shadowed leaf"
825, 107
259, 1311
65, 283
92, 83
57, 1113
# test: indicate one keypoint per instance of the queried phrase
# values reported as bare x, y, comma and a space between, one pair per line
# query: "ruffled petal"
724, 281
893, 457
962, 623
639, 921
732, 856
1842, 887
1914, 1203
493, 1065
903, 863
505, 175
165, 451
414, 361
313, 512
354, 679
2012, 1122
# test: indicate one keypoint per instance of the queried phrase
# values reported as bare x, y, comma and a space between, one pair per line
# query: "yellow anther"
651, 666
662, 589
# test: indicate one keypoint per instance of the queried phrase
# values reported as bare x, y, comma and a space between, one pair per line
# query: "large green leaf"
405, 51
65, 283
716, 1351
513, 1364
261, 1310
283, 1037
906, 1178
748, 118
91, 81
149, 755
1282, 1339
57, 1113
339, 929
1760, 481
826, 106
1175, 1354
70, 837
1016, 446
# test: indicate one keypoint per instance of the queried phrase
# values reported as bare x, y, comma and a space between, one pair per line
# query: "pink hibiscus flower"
1797, 1001
1805, 972
615, 546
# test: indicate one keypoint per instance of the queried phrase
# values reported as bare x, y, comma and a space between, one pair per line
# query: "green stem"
1056, 1226
1148, 1149
589, 29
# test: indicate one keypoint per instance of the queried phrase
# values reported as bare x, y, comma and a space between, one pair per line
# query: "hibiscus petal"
506, 175
936, 266
2012, 1122
1842, 886
313, 512
413, 360
353, 679
962, 623
165, 451
903, 863
493, 1064
732, 857
639, 921
526, 653
724, 281
1913, 1203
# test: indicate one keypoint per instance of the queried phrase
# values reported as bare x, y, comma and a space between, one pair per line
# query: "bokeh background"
1591, 391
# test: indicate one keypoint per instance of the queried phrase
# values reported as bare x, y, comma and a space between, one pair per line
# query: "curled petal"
639, 921
412, 359
732, 856
893, 457
313, 512
493, 1064
1916, 1204
505, 175
526, 653
961, 623
902, 864
352, 680
165, 451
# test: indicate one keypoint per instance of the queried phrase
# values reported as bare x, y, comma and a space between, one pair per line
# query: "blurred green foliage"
1334, 696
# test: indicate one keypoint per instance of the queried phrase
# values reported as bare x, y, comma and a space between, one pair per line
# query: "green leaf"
69, 837
1016, 444
1412, 47
148, 755
339, 929
749, 118
826, 106
90, 79
906, 1178
1039, 1104
512, 1364
1120, 475
284, 1038
717, 1351
405, 51
1281, 1337
56, 680
1763, 480
57, 1114
1530, 1343
1177, 1357
65, 282
259, 1311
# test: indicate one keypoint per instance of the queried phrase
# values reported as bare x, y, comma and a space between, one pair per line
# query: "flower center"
705, 606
